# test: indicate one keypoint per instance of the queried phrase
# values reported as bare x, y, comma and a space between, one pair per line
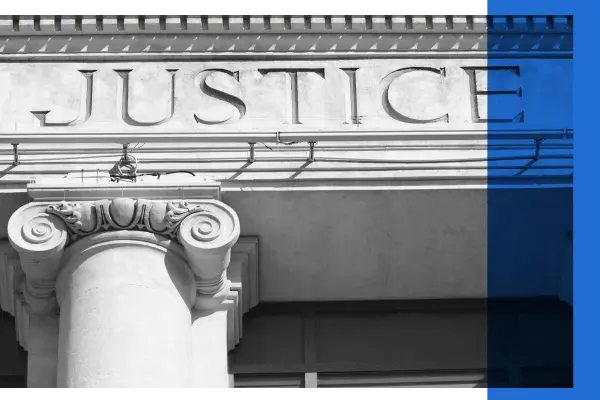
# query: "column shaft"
125, 313
209, 336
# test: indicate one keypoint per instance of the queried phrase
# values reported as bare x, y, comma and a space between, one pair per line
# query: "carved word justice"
351, 106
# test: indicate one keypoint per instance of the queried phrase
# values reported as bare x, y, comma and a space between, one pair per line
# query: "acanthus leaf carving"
68, 213
123, 214
177, 211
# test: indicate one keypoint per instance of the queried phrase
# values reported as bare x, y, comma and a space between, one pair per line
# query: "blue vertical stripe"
530, 199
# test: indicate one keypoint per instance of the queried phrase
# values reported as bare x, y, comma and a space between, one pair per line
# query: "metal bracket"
15, 154
127, 161
536, 157
538, 143
311, 151
251, 157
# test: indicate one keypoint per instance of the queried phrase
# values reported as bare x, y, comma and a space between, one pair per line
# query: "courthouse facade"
299, 201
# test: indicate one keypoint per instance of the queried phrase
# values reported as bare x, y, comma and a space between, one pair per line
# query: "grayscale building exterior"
298, 201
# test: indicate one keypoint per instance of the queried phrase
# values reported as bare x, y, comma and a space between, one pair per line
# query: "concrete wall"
528, 240
407, 244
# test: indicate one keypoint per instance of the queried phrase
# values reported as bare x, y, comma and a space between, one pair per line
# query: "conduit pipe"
291, 136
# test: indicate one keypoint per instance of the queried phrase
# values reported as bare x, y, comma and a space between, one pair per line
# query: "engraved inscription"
348, 96
351, 100
389, 108
236, 102
85, 112
292, 88
475, 92
123, 98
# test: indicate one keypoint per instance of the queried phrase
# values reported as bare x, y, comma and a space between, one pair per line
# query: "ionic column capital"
207, 237
207, 229
40, 238
31, 229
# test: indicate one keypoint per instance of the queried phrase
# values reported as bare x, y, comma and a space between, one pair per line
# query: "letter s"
219, 95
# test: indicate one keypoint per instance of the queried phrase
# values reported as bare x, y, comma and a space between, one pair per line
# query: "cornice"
16, 25
272, 35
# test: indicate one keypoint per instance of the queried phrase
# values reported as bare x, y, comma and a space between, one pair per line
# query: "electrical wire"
159, 174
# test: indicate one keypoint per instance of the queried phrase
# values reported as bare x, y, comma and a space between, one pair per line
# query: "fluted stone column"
141, 288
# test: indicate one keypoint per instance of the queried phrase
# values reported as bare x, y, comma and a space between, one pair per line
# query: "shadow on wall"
13, 359
359, 245
530, 250
529, 241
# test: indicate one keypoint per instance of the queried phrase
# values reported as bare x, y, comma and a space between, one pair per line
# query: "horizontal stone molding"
292, 135
88, 190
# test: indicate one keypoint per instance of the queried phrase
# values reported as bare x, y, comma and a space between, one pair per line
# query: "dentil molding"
70, 36
126, 24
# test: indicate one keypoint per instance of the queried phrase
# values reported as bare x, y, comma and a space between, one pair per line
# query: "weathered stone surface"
355, 219
267, 99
